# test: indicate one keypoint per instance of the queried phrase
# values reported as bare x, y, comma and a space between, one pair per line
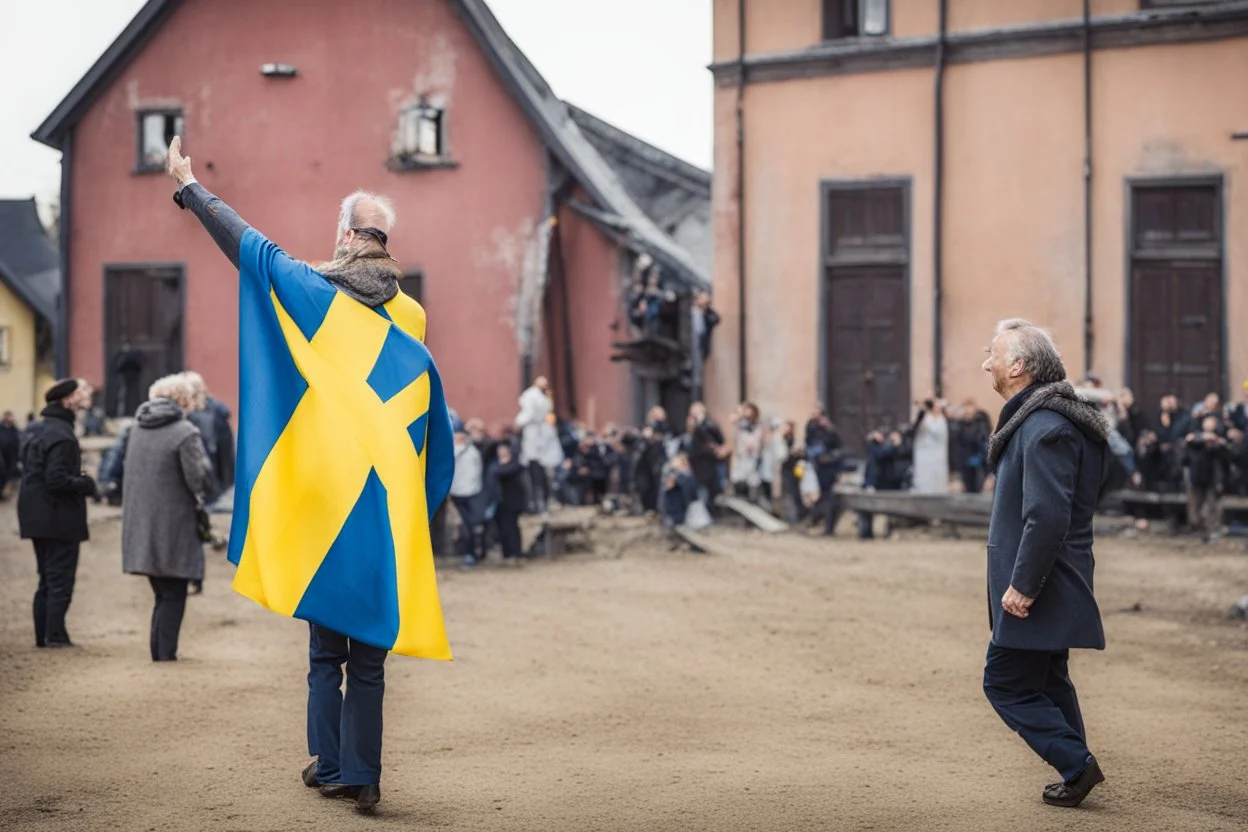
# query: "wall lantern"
278, 71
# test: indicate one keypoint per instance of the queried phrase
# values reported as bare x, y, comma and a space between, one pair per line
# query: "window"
413, 285
156, 129
420, 141
6, 337
854, 18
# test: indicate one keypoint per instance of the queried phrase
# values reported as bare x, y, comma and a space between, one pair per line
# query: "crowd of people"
678, 472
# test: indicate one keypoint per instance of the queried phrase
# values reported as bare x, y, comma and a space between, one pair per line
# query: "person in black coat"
705, 449
974, 428
885, 470
1205, 457
10, 448
52, 506
1052, 461
513, 500
652, 458
823, 449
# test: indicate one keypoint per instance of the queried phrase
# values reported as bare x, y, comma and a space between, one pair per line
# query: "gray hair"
350, 208
1034, 347
176, 388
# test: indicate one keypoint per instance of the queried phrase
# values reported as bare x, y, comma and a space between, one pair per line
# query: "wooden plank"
698, 541
959, 509
756, 515
1151, 498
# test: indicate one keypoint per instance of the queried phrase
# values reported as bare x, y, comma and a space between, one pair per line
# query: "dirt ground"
777, 683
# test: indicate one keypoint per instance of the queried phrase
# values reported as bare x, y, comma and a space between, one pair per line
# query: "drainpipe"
60, 339
741, 356
1087, 187
938, 219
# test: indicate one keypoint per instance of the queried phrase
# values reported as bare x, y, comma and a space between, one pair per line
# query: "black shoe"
309, 776
339, 790
1070, 795
65, 643
368, 798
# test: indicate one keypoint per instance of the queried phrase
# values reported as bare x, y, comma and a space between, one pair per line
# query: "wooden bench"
554, 534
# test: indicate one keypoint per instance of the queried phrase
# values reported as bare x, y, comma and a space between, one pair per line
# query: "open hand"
1016, 603
177, 165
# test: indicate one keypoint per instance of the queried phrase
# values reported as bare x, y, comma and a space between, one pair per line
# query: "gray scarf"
1059, 397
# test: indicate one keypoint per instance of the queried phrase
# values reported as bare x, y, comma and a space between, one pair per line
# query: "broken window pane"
156, 130
420, 131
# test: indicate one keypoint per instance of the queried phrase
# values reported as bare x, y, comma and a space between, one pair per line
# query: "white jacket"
468, 479
534, 407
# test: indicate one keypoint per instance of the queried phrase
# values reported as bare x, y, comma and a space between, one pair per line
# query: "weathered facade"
29, 283
909, 172
288, 105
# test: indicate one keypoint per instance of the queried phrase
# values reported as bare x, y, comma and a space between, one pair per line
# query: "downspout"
741, 356
61, 339
1087, 187
938, 219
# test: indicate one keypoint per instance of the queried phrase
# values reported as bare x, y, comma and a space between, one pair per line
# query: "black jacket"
1050, 476
514, 495
10, 447
1205, 462
53, 501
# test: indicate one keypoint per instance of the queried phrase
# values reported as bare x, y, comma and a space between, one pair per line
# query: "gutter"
1088, 333
741, 315
938, 198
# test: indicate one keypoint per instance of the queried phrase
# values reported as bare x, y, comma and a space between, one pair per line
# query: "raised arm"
221, 221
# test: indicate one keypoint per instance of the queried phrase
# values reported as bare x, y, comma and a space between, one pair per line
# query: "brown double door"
866, 362
142, 332
1176, 295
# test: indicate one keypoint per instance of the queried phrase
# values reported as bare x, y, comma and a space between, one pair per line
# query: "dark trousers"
344, 732
539, 488
167, 616
1032, 693
57, 563
973, 479
509, 532
471, 530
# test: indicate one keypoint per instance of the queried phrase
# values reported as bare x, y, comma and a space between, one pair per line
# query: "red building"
518, 234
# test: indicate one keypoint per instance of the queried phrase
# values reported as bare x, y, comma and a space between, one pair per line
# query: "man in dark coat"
1051, 457
705, 450
52, 506
10, 448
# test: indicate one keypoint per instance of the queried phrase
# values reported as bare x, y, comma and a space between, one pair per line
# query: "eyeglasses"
375, 233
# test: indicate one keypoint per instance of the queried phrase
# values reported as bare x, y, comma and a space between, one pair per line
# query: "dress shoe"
1070, 795
60, 644
309, 776
339, 790
368, 798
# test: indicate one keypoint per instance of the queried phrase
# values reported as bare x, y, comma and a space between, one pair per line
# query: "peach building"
894, 176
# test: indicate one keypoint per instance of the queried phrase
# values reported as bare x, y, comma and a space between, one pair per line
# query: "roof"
29, 264
550, 116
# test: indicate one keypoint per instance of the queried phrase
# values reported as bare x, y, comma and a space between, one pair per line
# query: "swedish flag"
344, 453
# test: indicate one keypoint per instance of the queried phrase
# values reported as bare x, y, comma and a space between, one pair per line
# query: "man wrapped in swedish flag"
345, 452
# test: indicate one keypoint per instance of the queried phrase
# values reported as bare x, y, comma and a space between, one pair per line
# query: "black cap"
62, 390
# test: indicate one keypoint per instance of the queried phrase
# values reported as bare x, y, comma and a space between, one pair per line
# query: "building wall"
1013, 203
798, 134
604, 390
19, 379
283, 152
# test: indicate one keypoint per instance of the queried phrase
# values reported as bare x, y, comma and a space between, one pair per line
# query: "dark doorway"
142, 331
866, 315
1176, 333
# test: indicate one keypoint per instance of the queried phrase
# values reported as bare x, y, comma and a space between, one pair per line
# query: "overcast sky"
640, 65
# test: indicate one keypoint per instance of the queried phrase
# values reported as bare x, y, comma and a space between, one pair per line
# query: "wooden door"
142, 313
1176, 320
866, 361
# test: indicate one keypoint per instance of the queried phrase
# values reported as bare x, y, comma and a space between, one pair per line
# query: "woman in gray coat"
166, 475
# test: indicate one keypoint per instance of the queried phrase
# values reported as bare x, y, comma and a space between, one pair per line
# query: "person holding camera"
931, 449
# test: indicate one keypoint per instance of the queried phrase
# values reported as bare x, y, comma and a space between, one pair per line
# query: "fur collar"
370, 276
1059, 397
